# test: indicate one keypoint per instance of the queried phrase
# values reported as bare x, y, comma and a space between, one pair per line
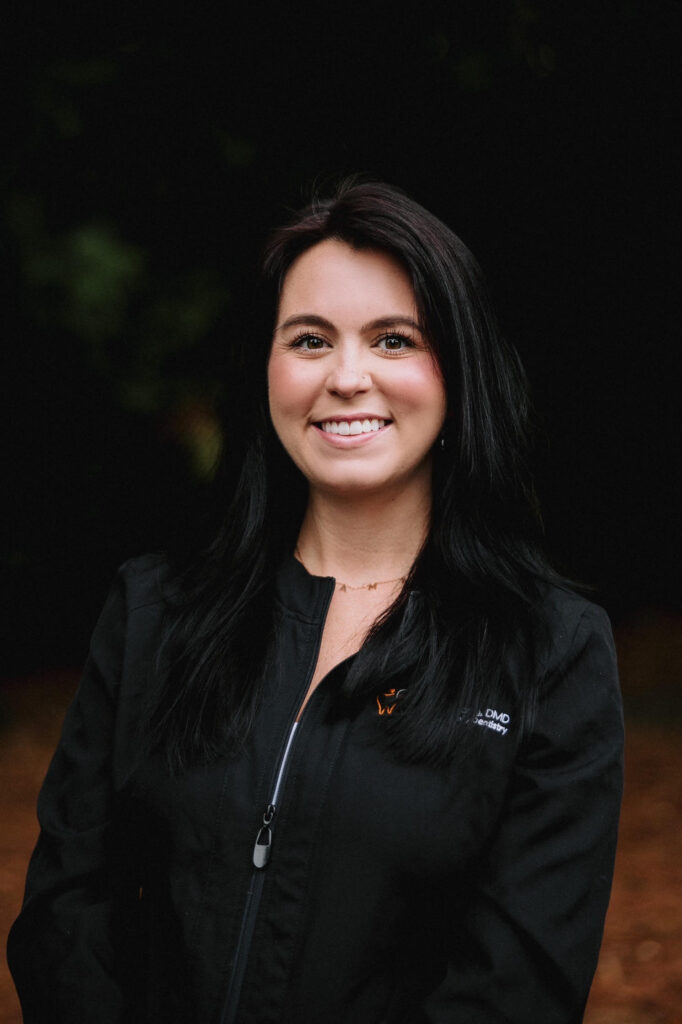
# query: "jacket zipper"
260, 857
262, 849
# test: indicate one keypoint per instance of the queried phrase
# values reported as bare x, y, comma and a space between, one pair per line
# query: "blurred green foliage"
102, 280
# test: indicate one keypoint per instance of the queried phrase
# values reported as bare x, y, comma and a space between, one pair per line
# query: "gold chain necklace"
349, 586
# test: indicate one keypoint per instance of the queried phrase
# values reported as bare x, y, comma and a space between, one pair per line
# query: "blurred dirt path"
31, 713
639, 978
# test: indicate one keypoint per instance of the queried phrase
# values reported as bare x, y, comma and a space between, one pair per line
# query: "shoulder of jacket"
146, 580
566, 619
579, 709
561, 605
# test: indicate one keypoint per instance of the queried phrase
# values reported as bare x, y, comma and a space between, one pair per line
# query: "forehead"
335, 280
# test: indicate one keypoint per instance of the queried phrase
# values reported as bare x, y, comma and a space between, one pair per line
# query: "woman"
379, 775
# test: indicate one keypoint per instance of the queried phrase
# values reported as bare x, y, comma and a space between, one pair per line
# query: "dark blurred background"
144, 163
145, 159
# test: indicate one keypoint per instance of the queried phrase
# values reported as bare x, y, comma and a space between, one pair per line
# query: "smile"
345, 427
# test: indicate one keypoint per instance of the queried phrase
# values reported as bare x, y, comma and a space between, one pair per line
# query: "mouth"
347, 427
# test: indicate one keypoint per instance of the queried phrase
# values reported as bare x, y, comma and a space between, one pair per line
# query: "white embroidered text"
498, 721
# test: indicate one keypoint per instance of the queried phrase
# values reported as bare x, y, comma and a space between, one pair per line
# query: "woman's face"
355, 395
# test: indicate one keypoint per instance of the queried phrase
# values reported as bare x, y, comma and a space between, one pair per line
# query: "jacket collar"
301, 593
309, 596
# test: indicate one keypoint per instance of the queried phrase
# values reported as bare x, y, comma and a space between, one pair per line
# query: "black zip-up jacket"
393, 892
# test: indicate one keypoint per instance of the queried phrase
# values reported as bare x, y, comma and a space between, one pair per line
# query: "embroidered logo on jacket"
498, 721
387, 702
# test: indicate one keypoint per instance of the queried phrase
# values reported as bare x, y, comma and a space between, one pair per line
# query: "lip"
349, 417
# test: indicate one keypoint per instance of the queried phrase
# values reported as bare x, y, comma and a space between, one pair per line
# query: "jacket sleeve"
66, 948
524, 947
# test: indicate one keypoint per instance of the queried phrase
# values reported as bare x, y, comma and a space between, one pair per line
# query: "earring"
442, 443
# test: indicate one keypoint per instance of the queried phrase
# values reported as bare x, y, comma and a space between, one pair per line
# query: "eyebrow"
313, 320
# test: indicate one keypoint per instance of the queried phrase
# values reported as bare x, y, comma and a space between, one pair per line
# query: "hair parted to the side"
480, 571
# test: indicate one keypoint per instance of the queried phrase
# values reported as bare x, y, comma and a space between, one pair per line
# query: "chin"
358, 485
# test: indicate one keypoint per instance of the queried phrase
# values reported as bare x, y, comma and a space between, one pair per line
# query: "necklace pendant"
342, 586
371, 586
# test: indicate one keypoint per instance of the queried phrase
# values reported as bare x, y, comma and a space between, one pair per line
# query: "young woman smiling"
358, 402
358, 758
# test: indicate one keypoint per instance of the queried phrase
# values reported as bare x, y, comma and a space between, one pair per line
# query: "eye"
394, 343
308, 342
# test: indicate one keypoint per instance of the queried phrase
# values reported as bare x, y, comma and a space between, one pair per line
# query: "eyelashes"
298, 341
395, 336
309, 342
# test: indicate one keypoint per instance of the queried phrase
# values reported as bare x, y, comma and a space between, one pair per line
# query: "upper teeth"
352, 427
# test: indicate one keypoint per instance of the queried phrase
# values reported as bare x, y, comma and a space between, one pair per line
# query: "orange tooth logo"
390, 700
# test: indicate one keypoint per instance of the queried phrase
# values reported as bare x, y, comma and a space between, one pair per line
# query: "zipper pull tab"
262, 848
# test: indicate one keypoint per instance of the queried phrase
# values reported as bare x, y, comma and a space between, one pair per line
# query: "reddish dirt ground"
639, 977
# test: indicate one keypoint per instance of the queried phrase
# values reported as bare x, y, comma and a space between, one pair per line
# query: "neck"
363, 539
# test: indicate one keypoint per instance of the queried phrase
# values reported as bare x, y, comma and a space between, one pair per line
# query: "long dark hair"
481, 570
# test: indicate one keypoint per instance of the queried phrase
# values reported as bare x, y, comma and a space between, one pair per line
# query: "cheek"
288, 389
279, 385
423, 389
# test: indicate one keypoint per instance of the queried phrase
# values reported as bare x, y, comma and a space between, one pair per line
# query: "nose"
348, 375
